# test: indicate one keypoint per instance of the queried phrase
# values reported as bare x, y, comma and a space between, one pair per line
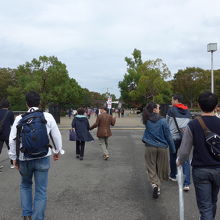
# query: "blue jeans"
207, 183
39, 169
186, 165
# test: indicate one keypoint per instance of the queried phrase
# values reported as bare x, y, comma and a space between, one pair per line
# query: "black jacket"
9, 120
81, 125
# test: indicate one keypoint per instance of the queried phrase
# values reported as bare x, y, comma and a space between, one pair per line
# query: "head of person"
32, 99
4, 103
81, 111
150, 108
207, 102
177, 99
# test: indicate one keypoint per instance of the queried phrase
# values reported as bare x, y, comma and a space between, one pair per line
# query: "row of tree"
147, 81
49, 77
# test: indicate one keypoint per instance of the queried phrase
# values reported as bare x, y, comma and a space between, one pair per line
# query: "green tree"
190, 82
7, 78
145, 81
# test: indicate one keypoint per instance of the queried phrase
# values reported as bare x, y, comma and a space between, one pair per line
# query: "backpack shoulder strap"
203, 125
174, 117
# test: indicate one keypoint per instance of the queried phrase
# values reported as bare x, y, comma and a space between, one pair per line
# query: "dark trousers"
80, 146
207, 183
1, 146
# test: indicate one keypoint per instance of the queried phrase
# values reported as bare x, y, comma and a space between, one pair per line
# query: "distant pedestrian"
205, 166
81, 125
103, 122
122, 112
32, 156
157, 139
6, 121
178, 116
97, 112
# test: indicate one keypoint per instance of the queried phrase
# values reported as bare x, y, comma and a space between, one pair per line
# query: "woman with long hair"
157, 139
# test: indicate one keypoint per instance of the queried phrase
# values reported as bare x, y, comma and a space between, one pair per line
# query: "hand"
15, 164
56, 156
178, 162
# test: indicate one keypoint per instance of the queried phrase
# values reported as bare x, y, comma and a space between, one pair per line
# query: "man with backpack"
178, 116
205, 160
6, 121
30, 152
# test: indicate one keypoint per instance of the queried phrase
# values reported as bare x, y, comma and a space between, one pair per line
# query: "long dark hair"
148, 110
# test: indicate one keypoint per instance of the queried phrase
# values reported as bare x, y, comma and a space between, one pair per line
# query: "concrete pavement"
94, 189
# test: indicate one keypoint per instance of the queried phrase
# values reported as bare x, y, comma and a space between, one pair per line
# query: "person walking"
35, 164
205, 166
6, 121
157, 139
178, 116
81, 125
103, 122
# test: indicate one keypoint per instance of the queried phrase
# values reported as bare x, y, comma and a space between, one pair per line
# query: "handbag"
72, 135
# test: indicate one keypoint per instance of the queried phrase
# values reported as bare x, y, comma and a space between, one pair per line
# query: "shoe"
172, 179
12, 166
27, 218
77, 156
158, 191
81, 158
106, 156
155, 194
1, 166
186, 188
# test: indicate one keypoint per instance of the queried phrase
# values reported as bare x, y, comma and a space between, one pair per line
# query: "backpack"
32, 133
212, 139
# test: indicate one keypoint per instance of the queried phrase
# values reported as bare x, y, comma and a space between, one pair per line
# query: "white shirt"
52, 128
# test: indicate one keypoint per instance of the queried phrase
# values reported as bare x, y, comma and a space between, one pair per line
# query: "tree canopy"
144, 81
49, 77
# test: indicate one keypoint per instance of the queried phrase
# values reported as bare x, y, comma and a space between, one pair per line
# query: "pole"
212, 74
180, 184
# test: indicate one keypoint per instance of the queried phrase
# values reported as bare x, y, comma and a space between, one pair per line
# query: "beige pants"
156, 159
104, 144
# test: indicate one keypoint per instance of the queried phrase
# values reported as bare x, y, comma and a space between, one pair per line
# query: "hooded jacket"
81, 125
157, 133
183, 117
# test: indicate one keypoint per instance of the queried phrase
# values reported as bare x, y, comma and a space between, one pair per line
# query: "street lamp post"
212, 47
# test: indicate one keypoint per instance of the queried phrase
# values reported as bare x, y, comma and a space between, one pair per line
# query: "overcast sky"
92, 37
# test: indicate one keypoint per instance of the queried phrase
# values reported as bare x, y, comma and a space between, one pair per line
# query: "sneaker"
158, 191
106, 156
186, 188
12, 166
81, 158
77, 156
1, 166
155, 191
172, 179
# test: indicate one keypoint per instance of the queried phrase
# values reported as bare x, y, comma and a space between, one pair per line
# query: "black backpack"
212, 139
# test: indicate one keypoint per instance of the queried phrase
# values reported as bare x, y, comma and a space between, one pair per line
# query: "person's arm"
12, 141
168, 137
56, 136
12, 118
185, 147
113, 120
